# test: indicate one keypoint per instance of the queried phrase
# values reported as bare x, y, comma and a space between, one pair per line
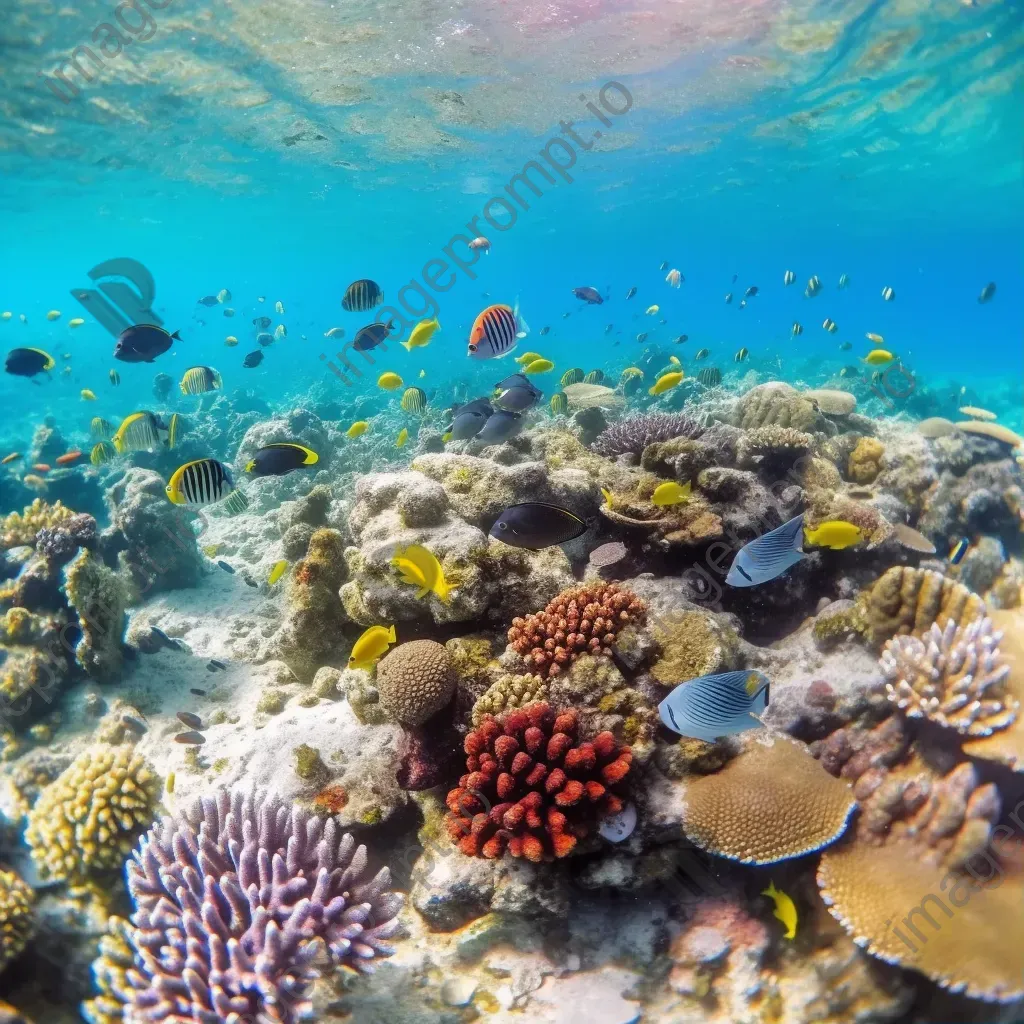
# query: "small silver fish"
767, 557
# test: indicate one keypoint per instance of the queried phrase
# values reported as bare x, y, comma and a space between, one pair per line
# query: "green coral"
16, 922
110, 971
100, 597
692, 644
309, 766
510, 691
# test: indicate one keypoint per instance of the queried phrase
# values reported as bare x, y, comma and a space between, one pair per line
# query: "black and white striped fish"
203, 482
362, 295
496, 331
710, 707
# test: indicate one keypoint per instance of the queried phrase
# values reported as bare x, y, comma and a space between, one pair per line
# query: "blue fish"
958, 550
500, 426
227, 568
769, 556
710, 707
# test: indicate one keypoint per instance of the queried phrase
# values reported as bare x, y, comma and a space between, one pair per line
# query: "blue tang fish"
769, 556
709, 707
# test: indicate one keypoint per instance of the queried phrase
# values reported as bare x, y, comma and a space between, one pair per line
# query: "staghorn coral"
582, 619
100, 597
236, 899
415, 680
952, 676
773, 446
22, 527
771, 803
692, 644
866, 461
533, 787
16, 921
507, 693
88, 818
631, 436
60, 542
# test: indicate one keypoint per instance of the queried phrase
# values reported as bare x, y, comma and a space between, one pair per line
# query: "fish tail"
407, 345
176, 336
391, 634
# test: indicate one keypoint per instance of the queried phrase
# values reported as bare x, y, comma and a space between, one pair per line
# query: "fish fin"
391, 634
407, 345
176, 336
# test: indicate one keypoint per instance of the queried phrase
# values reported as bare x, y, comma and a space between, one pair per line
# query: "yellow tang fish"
420, 568
390, 381
277, 572
403, 436
671, 493
88, 396
785, 910
371, 647
54, 314
835, 534
421, 334
879, 357
76, 322
528, 357
357, 429
665, 383
538, 366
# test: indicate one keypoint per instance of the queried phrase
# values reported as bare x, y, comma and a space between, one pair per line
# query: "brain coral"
778, 403
532, 786
236, 900
16, 900
582, 619
772, 802
89, 817
633, 435
415, 680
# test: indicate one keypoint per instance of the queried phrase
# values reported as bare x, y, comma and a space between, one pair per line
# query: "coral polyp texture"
772, 802
508, 693
533, 787
952, 676
22, 527
237, 900
16, 922
415, 680
633, 435
88, 818
582, 620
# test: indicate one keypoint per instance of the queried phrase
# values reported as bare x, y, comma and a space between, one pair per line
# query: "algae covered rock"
99, 597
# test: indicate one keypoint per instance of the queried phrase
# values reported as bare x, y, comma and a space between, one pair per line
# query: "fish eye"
502, 526
472, 348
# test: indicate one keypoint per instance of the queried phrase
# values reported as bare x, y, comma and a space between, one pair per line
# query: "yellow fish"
652, 310
357, 429
875, 339
528, 357
538, 366
277, 572
666, 383
87, 395
231, 341
835, 534
279, 306
6, 315
675, 361
632, 371
785, 910
390, 381
607, 496
371, 647
420, 568
76, 322
403, 436
54, 314
879, 357
671, 493
421, 334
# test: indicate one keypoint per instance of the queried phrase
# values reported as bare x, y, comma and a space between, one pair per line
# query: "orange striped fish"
68, 457
495, 333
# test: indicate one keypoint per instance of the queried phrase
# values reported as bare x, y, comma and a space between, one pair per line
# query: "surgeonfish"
750, 292
671, 493
500, 426
537, 524
539, 366
421, 334
666, 382
280, 458
369, 337
27, 362
360, 296
201, 482
631, 292
198, 380
420, 568
879, 357
767, 557
403, 437
710, 707
589, 295
277, 571
527, 357
785, 910
371, 646
836, 534
143, 343
516, 393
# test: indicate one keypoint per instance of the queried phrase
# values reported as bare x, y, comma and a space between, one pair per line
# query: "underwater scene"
512, 512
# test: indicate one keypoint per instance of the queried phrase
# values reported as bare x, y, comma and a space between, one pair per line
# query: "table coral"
771, 803
866, 461
582, 619
533, 787
16, 922
88, 819
953, 676
22, 527
415, 680
631, 436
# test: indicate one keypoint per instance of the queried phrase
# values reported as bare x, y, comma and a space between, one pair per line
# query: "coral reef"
507, 693
533, 787
110, 970
236, 898
631, 436
22, 527
99, 597
59, 543
866, 461
582, 619
88, 818
693, 643
781, 405
415, 680
16, 920
773, 447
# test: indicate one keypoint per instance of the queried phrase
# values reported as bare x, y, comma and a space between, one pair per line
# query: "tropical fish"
415, 401
27, 362
68, 457
420, 568
280, 331
559, 403
495, 333
337, 332
710, 376
100, 429
743, 303
589, 295
468, 420
228, 311
280, 458
835, 534
767, 557
87, 395
750, 292
371, 646
594, 377
227, 568
844, 280
785, 910
728, 298
143, 343
674, 278
702, 353
912, 539
642, 337
372, 335
6, 315
879, 357
390, 381
138, 432
544, 330
233, 505
813, 287
190, 738
403, 436
631, 292
958, 550
671, 493
357, 429
652, 310
987, 292
201, 482
830, 325
7, 459
537, 524
888, 294
629, 373
279, 306
41, 467
500, 426
681, 339
421, 334
788, 277
845, 347
666, 382
277, 571
253, 359
875, 339
539, 366
516, 393
223, 295
207, 300
198, 380
264, 339
212, 665
675, 360
741, 355
527, 357
115, 378
607, 495
796, 329
480, 243
231, 341
361, 296
573, 376
710, 707
78, 321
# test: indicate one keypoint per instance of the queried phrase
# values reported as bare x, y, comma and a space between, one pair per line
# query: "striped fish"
573, 376
788, 277
888, 294
830, 325
101, 429
102, 453
559, 403
173, 429
710, 707
594, 377
710, 376
198, 380
203, 482
494, 333
137, 433
234, 504
767, 557
362, 295
741, 355
702, 353
813, 287
844, 280
415, 401
797, 329
115, 377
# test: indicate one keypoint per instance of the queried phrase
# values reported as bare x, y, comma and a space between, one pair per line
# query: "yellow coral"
866, 461
21, 528
89, 818
692, 644
16, 900
510, 691
110, 971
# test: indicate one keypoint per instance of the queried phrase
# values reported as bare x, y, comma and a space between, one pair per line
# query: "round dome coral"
415, 681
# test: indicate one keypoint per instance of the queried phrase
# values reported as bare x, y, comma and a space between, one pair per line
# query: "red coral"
584, 619
531, 787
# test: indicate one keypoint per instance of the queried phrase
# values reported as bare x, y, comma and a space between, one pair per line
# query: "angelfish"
769, 556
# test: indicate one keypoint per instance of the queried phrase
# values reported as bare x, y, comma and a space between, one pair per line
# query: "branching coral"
533, 787
110, 971
633, 435
953, 676
236, 899
415, 680
507, 693
22, 527
88, 819
582, 619
16, 899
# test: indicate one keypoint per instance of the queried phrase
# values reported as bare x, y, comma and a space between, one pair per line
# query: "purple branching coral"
632, 436
235, 899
